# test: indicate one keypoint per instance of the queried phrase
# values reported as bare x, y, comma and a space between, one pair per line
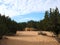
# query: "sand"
29, 40
34, 40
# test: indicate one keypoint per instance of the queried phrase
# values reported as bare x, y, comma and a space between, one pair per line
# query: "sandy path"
33, 38
20, 42
29, 40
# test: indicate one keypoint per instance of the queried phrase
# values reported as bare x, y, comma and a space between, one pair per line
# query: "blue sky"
36, 16
25, 10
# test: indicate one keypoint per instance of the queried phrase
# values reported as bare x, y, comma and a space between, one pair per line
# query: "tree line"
51, 22
7, 26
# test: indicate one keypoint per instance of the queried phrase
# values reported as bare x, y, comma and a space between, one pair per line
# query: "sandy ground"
32, 40
29, 40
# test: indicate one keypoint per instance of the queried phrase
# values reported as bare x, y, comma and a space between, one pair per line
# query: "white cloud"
25, 19
20, 7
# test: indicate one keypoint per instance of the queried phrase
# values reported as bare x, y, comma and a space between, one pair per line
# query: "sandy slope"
37, 38
29, 40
